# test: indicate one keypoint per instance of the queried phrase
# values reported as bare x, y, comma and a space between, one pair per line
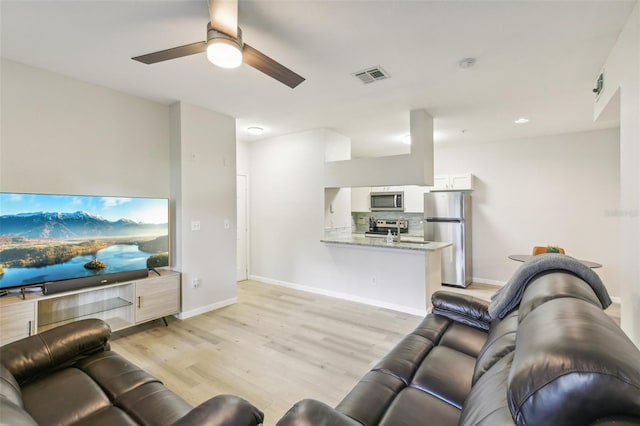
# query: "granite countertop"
406, 243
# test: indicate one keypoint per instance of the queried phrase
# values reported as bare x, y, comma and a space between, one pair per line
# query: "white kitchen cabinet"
360, 199
457, 182
414, 198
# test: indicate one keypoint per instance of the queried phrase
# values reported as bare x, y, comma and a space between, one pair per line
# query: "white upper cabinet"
457, 182
414, 198
360, 199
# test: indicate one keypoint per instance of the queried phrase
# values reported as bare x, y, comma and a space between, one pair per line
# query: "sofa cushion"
501, 341
404, 359
110, 416
63, 397
463, 338
371, 397
487, 403
572, 365
114, 374
554, 285
414, 407
445, 374
9, 388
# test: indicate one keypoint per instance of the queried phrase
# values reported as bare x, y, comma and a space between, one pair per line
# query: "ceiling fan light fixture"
224, 53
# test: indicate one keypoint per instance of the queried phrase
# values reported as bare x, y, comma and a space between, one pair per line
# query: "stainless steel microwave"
387, 201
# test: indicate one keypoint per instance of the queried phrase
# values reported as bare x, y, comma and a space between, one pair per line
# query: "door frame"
247, 223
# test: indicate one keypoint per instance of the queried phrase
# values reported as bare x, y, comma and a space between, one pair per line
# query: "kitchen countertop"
406, 243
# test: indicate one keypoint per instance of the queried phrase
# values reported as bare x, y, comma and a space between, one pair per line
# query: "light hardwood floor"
274, 348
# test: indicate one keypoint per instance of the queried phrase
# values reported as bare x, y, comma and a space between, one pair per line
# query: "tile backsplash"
360, 221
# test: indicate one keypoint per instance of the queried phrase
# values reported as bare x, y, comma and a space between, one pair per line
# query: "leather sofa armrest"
462, 308
56, 348
309, 412
223, 410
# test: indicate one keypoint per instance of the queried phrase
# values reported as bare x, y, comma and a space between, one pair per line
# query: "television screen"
48, 238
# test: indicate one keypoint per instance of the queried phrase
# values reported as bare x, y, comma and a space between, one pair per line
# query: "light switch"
195, 225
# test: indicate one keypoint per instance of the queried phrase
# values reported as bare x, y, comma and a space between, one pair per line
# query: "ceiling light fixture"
223, 50
521, 120
255, 130
406, 139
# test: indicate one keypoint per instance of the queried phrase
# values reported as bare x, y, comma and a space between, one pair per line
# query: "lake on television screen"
116, 258
48, 237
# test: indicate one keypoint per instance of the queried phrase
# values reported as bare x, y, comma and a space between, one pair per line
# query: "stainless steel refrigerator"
447, 217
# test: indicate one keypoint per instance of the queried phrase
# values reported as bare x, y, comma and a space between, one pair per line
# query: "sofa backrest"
557, 360
11, 406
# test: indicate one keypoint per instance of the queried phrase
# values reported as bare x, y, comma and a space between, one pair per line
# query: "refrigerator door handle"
443, 219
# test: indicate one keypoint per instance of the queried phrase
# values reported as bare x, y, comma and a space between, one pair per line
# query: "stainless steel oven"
387, 201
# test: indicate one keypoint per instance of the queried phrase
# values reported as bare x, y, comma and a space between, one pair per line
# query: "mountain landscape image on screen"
47, 246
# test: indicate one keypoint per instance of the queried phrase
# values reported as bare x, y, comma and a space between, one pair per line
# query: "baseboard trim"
342, 296
616, 300
207, 308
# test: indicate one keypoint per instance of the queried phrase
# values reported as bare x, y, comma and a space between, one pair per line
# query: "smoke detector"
372, 74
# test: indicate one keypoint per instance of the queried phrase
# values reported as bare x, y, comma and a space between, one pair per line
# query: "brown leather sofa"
557, 359
69, 376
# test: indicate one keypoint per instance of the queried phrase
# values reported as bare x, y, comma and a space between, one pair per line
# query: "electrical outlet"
226, 224
373, 280
195, 283
195, 225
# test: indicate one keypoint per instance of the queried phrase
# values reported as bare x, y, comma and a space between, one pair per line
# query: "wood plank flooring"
274, 348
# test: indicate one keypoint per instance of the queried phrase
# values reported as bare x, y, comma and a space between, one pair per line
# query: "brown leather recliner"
69, 376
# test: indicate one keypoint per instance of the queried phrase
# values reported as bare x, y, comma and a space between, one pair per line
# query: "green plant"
553, 249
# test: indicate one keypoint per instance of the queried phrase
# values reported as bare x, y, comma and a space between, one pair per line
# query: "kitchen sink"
415, 241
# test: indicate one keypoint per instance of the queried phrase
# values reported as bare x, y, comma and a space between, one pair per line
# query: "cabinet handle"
29, 330
139, 302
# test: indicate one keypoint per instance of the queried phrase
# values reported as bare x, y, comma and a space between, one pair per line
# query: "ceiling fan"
225, 48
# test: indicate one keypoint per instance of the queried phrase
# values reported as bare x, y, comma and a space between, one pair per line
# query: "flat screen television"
64, 242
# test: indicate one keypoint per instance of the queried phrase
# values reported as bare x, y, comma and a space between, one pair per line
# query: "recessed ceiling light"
254, 130
406, 139
521, 120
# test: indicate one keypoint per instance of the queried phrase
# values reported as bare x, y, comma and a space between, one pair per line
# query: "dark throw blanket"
509, 296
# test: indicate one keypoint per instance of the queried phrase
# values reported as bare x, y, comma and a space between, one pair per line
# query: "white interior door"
241, 244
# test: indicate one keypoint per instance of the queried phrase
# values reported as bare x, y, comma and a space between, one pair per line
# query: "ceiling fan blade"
224, 16
173, 53
263, 63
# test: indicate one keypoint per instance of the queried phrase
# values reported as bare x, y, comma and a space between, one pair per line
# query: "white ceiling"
537, 59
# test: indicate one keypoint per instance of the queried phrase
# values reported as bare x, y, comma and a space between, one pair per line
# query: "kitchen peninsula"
411, 267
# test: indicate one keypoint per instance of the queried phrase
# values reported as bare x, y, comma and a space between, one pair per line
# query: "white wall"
206, 193
242, 158
622, 94
530, 192
559, 190
60, 135
287, 219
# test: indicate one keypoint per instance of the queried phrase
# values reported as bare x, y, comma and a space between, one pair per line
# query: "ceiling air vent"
371, 74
